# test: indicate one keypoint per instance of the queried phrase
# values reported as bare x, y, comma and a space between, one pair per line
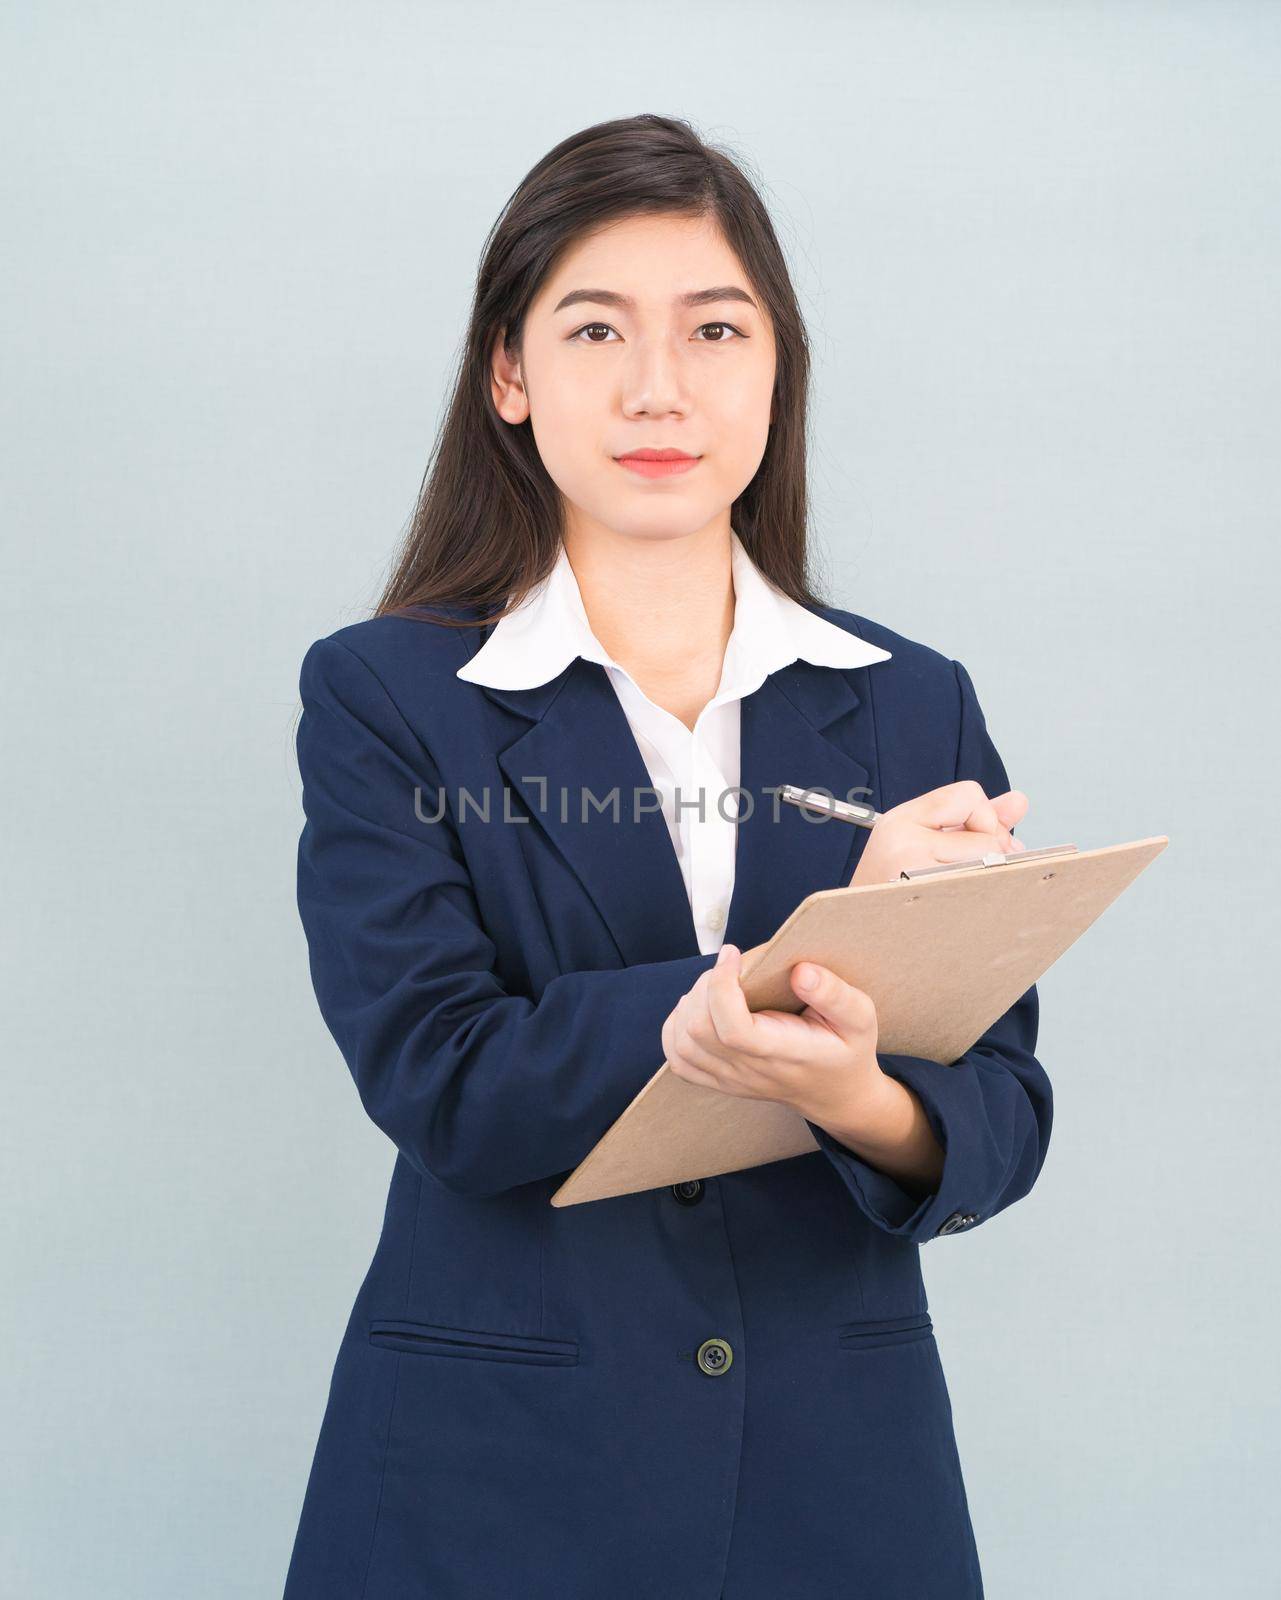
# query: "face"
625, 349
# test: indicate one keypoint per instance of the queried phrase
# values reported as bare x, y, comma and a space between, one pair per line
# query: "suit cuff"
899, 1211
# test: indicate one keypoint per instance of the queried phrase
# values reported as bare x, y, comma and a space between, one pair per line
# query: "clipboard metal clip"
993, 858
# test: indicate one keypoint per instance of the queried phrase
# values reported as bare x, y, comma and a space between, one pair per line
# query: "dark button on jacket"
958, 1220
715, 1357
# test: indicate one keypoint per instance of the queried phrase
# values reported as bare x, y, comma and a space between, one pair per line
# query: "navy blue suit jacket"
523, 1406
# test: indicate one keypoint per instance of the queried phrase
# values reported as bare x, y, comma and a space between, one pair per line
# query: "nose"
653, 383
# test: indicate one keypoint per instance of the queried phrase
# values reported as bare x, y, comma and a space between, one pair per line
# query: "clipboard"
943, 951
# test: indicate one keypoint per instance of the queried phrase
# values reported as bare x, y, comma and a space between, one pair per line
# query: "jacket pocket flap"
435, 1338
868, 1333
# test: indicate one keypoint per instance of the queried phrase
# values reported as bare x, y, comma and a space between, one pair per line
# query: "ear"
506, 383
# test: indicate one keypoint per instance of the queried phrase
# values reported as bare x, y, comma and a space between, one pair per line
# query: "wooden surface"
942, 958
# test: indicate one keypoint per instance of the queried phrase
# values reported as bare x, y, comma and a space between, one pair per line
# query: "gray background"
1037, 246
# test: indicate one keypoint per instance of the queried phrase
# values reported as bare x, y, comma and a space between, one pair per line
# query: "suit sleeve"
991, 1110
480, 1089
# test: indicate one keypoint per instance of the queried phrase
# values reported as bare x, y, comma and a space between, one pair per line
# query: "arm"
886, 1126
990, 1111
480, 1089
893, 1133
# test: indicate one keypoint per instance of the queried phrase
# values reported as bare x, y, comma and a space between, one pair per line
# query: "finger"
693, 1032
1010, 807
967, 846
955, 805
684, 1068
700, 1047
1008, 841
691, 1004
847, 1009
726, 1002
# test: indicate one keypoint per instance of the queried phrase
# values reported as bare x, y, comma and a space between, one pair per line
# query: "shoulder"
405, 654
917, 679
380, 698
930, 727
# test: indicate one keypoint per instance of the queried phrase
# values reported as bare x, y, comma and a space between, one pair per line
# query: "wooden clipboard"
944, 952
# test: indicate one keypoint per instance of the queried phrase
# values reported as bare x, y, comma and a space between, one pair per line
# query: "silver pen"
866, 817
847, 810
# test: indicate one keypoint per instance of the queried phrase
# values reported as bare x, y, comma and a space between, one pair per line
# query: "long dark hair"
489, 520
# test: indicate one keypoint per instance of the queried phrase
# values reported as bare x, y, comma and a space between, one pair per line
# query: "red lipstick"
657, 463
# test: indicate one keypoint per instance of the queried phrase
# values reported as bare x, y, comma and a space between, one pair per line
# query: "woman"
731, 1386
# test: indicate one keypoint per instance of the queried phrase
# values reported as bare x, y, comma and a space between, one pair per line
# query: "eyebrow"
696, 297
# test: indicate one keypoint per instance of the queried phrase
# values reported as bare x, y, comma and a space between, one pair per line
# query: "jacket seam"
382, 1479
869, 678
960, 721
347, 650
413, 734
413, 1245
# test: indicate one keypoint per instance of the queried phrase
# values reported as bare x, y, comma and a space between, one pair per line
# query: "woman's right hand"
954, 823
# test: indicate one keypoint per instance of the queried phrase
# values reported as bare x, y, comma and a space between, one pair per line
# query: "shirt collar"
550, 629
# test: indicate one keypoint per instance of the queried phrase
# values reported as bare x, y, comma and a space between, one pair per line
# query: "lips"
657, 463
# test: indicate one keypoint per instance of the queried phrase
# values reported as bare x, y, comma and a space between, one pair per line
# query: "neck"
662, 607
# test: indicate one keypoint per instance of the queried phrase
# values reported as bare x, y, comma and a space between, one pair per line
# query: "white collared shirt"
771, 630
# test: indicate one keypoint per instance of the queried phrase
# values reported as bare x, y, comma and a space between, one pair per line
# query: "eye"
591, 327
588, 327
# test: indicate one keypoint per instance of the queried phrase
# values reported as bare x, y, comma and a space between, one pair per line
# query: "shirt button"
716, 919
714, 1357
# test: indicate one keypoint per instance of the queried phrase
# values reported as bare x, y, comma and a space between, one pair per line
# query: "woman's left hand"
820, 1061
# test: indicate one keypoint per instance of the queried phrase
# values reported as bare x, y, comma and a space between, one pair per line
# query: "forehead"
650, 259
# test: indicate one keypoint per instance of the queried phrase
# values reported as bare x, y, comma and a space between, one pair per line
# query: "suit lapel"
804, 725
581, 774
